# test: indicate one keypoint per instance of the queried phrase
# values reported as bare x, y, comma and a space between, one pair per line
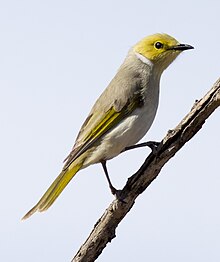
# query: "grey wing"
121, 89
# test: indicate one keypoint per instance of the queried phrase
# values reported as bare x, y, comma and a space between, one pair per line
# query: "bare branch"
104, 229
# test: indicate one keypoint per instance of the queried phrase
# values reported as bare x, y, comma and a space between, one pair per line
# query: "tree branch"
104, 230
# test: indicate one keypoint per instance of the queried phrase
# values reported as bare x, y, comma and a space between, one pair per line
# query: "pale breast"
126, 133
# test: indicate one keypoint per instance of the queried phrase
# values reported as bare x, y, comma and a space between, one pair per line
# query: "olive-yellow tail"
54, 190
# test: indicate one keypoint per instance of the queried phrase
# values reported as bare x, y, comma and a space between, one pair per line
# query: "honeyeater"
122, 114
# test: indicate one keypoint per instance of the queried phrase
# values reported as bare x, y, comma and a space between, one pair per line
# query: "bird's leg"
152, 144
113, 189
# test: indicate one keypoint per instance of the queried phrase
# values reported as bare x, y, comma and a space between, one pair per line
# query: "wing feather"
106, 123
122, 96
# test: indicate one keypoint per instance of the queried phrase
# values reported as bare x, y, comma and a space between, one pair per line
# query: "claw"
152, 144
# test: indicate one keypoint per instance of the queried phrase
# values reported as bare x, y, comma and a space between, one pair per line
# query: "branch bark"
104, 230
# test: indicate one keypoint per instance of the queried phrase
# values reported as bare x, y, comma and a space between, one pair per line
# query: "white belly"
127, 133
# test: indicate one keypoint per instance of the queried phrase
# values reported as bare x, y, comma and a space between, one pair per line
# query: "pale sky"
56, 57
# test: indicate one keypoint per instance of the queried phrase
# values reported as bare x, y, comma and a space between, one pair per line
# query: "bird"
122, 114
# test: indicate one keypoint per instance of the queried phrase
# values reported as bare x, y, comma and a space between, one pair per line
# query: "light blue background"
56, 57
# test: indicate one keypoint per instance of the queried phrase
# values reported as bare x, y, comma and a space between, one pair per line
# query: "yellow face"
160, 48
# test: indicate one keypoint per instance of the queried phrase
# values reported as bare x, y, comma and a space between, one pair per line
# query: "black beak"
182, 47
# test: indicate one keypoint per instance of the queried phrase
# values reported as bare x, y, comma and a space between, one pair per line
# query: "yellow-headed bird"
123, 113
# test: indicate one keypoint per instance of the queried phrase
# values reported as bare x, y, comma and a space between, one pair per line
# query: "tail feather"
54, 190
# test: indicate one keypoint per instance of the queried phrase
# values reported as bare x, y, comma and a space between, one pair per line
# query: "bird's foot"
117, 194
152, 144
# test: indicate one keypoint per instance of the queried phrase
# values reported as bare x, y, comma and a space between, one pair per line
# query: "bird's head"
160, 49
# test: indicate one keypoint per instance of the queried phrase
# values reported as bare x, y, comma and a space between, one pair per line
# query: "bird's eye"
158, 45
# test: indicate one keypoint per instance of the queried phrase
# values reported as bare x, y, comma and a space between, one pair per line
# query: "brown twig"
104, 230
